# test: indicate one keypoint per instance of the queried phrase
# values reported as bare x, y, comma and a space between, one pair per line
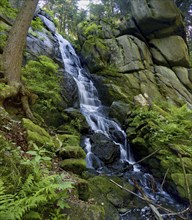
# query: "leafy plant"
41, 78
35, 198
39, 196
7, 10
37, 24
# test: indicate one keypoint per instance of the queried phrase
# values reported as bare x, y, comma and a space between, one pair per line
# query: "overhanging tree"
13, 56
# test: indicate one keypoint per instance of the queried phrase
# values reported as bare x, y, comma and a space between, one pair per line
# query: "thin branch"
178, 213
186, 182
164, 179
139, 161
151, 202
156, 213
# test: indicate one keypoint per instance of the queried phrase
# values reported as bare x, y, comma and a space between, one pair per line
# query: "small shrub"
37, 24
7, 10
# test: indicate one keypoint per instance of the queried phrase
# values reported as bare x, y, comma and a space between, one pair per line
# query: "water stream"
91, 107
93, 110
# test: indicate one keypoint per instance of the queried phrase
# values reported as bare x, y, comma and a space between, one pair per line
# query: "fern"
32, 196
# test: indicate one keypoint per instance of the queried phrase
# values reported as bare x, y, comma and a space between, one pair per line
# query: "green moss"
167, 128
109, 195
68, 152
37, 24
3, 38
83, 189
95, 53
41, 78
38, 135
7, 10
179, 180
85, 211
76, 166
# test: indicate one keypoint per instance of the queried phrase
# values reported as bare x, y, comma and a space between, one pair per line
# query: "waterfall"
91, 107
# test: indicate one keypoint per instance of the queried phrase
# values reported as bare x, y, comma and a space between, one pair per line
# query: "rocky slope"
137, 63
141, 66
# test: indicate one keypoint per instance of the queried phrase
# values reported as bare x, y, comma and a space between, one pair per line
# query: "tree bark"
13, 51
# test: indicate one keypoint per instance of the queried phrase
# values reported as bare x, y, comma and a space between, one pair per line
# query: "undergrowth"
37, 24
7, 10
36, 194
40, 76
164, 126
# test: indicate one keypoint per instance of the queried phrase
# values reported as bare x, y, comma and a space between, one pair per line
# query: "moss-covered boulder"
180, 183
38, 135
110, 196
88, 211
76, 166
95, 54
71, 147
118, 111
173, 49
77, 120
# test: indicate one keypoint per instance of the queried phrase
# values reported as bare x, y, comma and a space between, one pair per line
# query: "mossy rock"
95, 53
69, 139
83, 189
85, 211
75, 152
69, 146
109, 195
74, 123
38, 135
179, 180
76, 166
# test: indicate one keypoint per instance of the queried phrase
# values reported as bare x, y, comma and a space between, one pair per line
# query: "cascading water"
92, 109
91, 106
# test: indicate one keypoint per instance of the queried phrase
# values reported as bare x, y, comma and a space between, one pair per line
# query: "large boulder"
128, 53
157, 18
104, 148
170, 51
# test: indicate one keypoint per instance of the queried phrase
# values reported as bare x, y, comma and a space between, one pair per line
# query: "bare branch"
146, 199
164, 179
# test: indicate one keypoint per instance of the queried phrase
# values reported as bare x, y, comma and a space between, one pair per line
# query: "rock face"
141, 61
104, 148
45, 43
145, 54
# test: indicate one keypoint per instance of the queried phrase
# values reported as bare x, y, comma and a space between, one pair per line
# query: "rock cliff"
144, 59
147, 53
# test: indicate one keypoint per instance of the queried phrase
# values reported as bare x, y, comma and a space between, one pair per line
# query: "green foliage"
3, 35
37, 24
90, 29
39, 195
7, 10
41, 78
34, 198
162, 127
9, 160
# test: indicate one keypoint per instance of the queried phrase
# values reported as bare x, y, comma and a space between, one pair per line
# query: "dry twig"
146, 199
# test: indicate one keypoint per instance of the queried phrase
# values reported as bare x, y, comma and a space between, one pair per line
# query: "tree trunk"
13, 51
